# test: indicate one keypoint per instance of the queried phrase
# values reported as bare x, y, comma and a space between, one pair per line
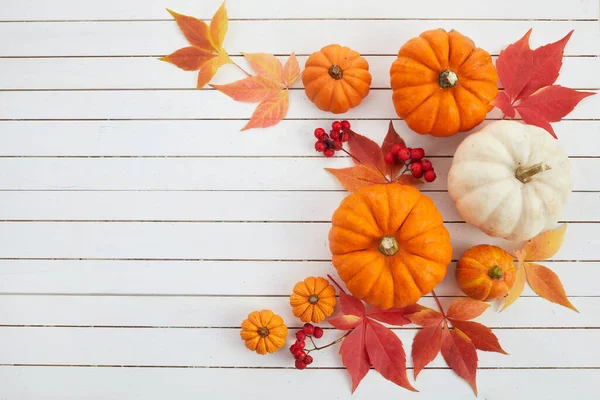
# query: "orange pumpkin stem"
448, 79
525, 174
495, 272
336, 72
388, 246
263, 332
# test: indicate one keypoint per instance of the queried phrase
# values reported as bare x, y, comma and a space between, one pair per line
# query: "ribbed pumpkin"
264, 332
336, 78
389, 245
442, 84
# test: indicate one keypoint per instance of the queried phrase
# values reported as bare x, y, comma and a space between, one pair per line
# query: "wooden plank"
222, 138
217, 206
115, 73
216, 312
211, 173
66, 383
231, 241
157, 38
196, 347
20, 10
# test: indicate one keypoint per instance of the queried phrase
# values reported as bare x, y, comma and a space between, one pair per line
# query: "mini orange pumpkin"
336, 78
313, 299
485, 272
442, 84
389, 245
264, 332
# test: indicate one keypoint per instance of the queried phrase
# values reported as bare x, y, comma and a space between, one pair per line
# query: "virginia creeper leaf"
515, 292
291, 70
552, 102
366, 152
482, 337
189, 58
386, 353
533, 117
426, 317
266, 65
209, 69
465, 308
515, 66
409, 180
503, 103
270, 111
195, 31
359, 176
546, 284
390, 140
460, 355
393, 316
545, 245
350, 305
252, 89
218, 26
354, 355
345, 322
426, 346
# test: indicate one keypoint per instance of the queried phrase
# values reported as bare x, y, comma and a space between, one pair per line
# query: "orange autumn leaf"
546, 284
252, 89
357, 177
208, 70
515, 292
545, 245
269, 112
291, 70
466, 308
189, 58
218, 26
426, 317
266, 65
195, 31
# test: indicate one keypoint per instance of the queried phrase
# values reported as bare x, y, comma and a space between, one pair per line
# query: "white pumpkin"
510, 180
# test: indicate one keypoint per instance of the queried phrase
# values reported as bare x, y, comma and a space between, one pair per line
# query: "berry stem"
345, 151
240, 68
439, 304
330, 344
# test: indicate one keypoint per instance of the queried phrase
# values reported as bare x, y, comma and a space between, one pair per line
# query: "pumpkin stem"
447, 79
335, 72
495, 272
263, 332
313, 299
524, 174
388, 246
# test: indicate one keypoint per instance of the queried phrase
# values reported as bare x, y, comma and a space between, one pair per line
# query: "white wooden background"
138, 226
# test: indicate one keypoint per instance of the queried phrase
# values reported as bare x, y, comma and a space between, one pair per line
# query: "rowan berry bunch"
298, 349
328, 144
414, 161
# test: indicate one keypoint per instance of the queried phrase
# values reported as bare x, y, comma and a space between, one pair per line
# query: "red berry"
345, 137
318, 333
308, 329
300, 364
336, 125
336, 145
335, 135
404, 154
417, 154
328, 153
325, 137
300, 344
389, 158
319, 132
320, 146
345, 125
299, 355
429, 175
308, 360
426, 165
396, 148
300, 335
415, 169
293, 348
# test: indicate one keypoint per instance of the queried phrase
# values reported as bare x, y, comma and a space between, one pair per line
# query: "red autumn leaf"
266, 65
503, 103
269, 112
426, 317
366, 152
553, 102
545, 283
350, 305
386, 353
547, 61
426, 346
465, 308
409, 180
482, 337
460, 355
345, 322
291, 70
359, 176
534, 117
252, 89
195, 31
394, 316
354, 355
390, 140
189, 58
515, 66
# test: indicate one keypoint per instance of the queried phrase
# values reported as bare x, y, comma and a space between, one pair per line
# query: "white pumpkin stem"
524, 174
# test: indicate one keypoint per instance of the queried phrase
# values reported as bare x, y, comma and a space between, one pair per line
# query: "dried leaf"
515, 66
515, 292
354, 355
366, 152
409, 180
195, 31
350, 305
252, 89
545, 245
386, 354
189, 58
426, 317
359, 176
266, 65
393, 316
390, 140
269, 112
209, 69
345, 322
218, 26
426, 346
460, 355
503, 103
465, 308
546, 284
552, 102
291, 70
482, 337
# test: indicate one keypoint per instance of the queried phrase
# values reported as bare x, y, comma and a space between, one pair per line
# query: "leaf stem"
240, 68
439, 304
330, 344
346, 151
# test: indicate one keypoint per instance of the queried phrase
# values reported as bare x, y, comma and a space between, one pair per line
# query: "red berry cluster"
329, 144
297, 349
418, 166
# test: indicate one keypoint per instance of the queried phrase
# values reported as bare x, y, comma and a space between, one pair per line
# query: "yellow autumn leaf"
515, 292
291, 70
218, 26
266, 65
545, 245
209, 69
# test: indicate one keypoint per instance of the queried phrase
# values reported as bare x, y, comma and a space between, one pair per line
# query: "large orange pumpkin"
442, 84
389, 244
336, 78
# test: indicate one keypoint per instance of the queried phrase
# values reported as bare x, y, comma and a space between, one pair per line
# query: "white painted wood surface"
122, 189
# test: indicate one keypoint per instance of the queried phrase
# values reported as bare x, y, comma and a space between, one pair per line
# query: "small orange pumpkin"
442, 84
264, 332
313, 299
336, 78
485, 272
389, 245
